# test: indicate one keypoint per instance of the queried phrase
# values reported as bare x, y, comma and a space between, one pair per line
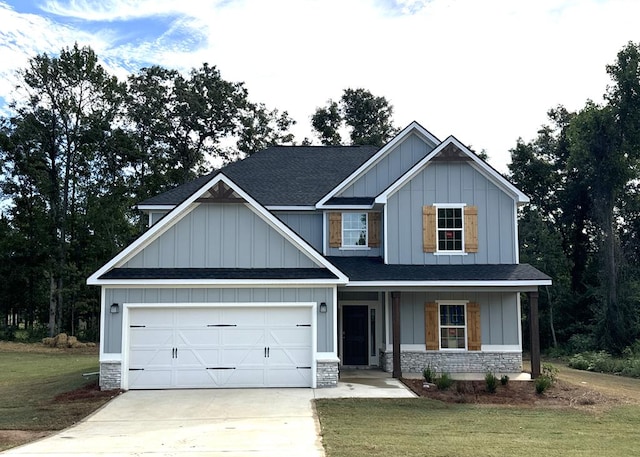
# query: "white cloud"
486, 71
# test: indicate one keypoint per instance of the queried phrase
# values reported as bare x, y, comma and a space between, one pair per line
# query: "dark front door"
354, 328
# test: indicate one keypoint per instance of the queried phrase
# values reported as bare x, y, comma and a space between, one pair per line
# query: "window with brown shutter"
474, 339
429, 228
335, 230
443, 229
431, 326
471, 229
374, 230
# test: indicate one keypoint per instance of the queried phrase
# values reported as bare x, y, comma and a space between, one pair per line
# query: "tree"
56, 143
367, 117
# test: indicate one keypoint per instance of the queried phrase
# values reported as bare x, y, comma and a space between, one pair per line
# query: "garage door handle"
136, 369
222, 325
303, 325
303, 368
221, 368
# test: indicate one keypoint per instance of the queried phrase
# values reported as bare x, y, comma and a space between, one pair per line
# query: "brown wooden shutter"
471, 229
474, 339
335, 230
429, 228
374, 230
431, 326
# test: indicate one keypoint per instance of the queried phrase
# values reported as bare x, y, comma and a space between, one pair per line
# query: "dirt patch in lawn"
86, 399
562, 394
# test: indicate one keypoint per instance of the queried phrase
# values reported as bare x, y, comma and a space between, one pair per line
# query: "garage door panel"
152, 317
150, 337
293, 336
247, 337
203, 336
290, 377
220, 347
150, 379
289, 317
150, 357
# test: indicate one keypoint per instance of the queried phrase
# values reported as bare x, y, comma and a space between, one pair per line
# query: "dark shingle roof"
374, 269
283, 175
218, 273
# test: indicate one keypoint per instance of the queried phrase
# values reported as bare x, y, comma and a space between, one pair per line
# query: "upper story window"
354, 229
350, 230
450, 229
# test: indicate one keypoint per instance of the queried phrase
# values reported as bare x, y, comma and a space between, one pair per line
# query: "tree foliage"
81, 148
582, 174
367, 118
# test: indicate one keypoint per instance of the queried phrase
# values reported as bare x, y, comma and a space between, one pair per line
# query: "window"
354, 229
453, 329
450, 229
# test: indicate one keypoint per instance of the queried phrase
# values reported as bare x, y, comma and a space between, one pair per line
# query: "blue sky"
485, 71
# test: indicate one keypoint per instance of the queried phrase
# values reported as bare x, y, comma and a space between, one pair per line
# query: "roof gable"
452, 149
412, 129
218, 188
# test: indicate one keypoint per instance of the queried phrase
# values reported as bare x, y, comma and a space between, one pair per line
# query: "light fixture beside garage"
323, 307
115, 308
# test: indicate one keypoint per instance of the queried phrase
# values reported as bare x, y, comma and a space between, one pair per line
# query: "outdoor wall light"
323, 307
115, 308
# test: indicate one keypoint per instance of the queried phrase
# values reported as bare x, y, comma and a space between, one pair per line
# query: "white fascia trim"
448, 283
478, 163
290, 208
345, 207
155, 207
181, 210
110, 357
217, 282
414, 127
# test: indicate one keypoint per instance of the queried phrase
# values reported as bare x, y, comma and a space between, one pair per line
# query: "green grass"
422, 427
30, 382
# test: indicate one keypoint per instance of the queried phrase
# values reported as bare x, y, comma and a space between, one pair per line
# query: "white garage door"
219, 347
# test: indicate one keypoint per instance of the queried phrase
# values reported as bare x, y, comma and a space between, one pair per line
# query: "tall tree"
367, 118
61, 128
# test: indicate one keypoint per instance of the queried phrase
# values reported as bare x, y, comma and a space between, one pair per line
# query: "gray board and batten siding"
453, 183
389, 168
498, 315
165, 297
221, 236
307, 224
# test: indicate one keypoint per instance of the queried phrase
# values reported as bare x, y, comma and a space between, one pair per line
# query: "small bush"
542, 384
444, 381
550, 371
492, 382
504, 380
429, 373
579, 362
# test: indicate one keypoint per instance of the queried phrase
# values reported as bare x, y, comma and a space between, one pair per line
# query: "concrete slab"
222, 422
225, 422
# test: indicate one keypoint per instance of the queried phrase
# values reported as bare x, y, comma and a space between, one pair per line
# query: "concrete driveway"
223, 422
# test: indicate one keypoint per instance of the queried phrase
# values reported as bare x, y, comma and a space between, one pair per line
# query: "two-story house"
279, 269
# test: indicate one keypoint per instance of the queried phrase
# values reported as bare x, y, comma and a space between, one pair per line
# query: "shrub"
492, 382
504, 380
579, 362
550, 371
444, 381
429, 373
542, 384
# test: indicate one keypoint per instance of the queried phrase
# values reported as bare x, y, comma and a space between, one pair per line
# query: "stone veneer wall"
455, 362
327, 374
110, 375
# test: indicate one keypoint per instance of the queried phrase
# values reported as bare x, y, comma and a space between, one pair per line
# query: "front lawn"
423, 427
44, 390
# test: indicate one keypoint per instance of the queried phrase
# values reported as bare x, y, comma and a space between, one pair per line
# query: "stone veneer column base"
455, 362
327, 373
110, 375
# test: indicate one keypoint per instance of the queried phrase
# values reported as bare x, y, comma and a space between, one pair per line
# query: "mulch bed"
515, 393
89, 392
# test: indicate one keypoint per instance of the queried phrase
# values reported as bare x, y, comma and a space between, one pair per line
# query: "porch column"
395, 325
534, 332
